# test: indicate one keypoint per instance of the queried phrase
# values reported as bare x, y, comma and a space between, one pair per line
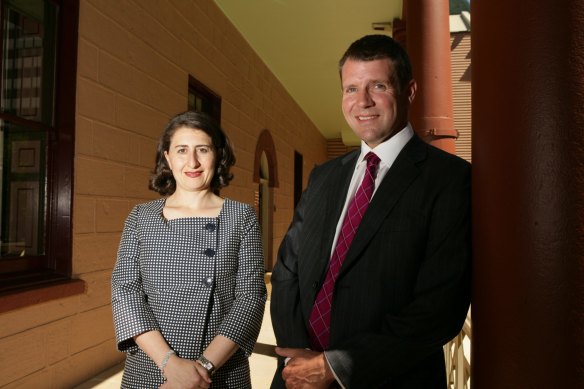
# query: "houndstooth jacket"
191, 279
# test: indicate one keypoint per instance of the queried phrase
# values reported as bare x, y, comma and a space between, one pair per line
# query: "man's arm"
285, 307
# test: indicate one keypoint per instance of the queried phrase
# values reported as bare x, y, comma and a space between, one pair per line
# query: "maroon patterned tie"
320, 316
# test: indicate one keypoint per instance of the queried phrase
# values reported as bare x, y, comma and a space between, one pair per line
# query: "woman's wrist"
164, 361
206, 364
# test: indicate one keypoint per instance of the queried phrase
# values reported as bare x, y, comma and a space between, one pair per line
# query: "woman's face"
191, 158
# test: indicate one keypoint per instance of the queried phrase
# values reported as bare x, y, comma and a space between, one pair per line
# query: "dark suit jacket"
404, 288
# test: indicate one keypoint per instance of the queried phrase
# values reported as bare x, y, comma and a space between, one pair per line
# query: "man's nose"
364, 98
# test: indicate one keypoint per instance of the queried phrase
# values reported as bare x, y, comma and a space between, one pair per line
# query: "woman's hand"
185, 374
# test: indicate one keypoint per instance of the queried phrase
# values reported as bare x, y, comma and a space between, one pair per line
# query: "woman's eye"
181, 151
203, 149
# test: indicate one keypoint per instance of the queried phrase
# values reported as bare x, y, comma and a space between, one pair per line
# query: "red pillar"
428, 45
528, 194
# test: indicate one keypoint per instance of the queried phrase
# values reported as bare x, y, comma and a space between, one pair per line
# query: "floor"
263, 364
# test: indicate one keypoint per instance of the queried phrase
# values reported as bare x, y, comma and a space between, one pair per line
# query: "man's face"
372, 105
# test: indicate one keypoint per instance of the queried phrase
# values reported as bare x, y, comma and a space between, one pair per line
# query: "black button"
210, 227
210, 252
208, 281
314, 285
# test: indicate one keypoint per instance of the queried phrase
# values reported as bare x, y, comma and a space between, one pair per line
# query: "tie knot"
372, 160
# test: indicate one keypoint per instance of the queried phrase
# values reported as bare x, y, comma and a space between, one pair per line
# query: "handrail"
457, 357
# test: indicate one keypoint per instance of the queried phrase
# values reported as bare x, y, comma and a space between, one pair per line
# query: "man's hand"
305, 369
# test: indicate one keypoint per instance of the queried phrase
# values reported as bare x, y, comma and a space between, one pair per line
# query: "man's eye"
350, 89
380, 86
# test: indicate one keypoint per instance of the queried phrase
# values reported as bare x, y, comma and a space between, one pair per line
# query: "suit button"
314, 285
208, 281
210, 252
210, 227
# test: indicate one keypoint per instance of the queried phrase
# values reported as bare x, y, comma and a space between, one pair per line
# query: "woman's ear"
167, 160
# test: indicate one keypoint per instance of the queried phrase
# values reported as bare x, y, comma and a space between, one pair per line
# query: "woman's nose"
193, 160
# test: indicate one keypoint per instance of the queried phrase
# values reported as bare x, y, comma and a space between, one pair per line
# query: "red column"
399, 32
528, 194
428, 44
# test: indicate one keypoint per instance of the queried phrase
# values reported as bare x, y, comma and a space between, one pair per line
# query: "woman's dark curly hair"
162, 180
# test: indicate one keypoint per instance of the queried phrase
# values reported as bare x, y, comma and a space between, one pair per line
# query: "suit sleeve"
285, 309
440, 301
285, 305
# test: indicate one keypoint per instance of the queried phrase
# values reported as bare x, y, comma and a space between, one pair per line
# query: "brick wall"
133, 66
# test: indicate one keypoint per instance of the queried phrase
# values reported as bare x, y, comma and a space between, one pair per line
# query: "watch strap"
207, 364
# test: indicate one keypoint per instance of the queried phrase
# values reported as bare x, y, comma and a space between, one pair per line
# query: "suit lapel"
337, 183
399, 177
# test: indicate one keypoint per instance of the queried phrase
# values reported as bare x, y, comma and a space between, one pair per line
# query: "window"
298, 167
203, 99
37, 116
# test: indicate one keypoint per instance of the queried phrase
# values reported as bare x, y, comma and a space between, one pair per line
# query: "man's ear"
411, 90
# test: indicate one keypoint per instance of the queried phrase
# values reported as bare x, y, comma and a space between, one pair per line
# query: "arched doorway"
266, 176
264, 201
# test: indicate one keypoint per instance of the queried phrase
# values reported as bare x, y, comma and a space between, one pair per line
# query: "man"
369, 303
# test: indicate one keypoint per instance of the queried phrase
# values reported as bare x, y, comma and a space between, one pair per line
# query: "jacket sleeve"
436, 312
131, 313
242, 324
285, 303
285, 308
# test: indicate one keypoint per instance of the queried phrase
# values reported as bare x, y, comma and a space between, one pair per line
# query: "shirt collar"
389, 150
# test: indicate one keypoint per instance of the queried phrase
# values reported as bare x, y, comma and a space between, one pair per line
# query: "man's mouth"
366, 117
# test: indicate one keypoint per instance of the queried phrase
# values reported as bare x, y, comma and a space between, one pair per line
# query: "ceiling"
301, 41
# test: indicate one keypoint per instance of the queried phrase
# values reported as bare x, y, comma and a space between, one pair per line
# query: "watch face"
206, 364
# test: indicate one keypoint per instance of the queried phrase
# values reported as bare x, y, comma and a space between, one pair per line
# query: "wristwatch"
207, 364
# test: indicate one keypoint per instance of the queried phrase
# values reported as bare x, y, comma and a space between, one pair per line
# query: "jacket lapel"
337, 183
399, 177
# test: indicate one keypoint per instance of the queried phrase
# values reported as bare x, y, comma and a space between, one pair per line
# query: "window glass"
203, 99
26, 104
28, 58
23, 191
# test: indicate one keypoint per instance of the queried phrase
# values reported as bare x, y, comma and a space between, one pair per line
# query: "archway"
265, 174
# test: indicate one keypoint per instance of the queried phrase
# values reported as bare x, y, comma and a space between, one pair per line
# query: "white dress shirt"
387, 153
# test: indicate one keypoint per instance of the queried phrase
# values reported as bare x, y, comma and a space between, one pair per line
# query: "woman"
188, 291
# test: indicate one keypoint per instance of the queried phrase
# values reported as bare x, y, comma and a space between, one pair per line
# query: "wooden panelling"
461, 92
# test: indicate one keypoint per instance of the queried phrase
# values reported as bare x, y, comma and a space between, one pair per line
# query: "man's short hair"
372, 47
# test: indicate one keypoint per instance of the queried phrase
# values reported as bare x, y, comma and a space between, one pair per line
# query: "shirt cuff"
334, 374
